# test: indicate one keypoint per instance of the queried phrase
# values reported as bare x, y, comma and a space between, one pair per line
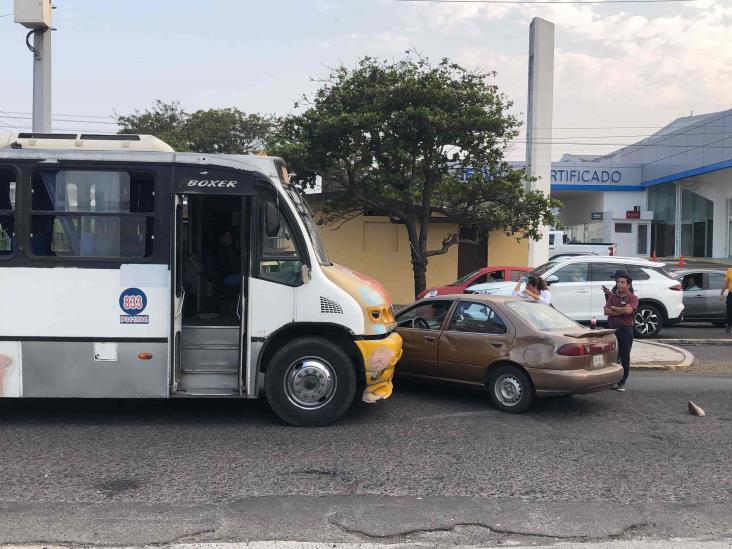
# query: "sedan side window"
476, 318
426, 316
717, 281
575, 272
692, 282
516, 275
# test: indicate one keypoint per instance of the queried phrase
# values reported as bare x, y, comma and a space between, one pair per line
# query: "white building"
671, 192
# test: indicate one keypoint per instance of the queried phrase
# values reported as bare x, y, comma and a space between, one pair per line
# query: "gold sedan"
515, 349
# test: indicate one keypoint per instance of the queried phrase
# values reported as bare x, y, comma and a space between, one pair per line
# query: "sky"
622, 71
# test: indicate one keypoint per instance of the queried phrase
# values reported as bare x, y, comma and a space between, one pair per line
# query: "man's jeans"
625, 342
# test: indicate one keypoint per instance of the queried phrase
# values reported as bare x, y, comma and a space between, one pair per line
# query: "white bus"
128, 270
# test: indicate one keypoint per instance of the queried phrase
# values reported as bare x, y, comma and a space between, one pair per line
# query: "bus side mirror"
271, 219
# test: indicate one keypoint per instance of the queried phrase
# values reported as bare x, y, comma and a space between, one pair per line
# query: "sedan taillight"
585, 349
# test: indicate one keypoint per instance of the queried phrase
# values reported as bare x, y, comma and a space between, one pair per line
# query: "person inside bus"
228, 260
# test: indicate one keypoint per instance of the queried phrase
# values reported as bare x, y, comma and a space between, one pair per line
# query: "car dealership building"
670, 192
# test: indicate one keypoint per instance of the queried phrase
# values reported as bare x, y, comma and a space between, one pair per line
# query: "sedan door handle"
429, 339
698, 295
496, 345
583, 291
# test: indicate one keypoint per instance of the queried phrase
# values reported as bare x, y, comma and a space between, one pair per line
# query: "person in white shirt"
536, 289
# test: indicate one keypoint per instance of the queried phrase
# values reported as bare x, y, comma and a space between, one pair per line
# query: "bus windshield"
306, 215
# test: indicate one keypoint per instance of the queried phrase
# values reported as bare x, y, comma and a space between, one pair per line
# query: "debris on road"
696, 410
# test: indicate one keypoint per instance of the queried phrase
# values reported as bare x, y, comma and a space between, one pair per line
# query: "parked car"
576, 288
560, 244
494, 273
701, 294
515, 349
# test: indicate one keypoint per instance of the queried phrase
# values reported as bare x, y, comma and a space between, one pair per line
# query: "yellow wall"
504, 250
380, 249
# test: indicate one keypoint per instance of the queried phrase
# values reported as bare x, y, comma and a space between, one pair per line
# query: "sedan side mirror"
552, 279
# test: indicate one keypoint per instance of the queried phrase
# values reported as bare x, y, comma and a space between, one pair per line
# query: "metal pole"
42, 81
677, 221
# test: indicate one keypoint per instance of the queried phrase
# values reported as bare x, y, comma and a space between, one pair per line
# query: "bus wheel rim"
310, 383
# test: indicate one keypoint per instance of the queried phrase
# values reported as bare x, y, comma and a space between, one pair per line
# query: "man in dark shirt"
620, 309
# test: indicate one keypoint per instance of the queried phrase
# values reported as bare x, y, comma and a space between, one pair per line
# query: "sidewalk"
652, 355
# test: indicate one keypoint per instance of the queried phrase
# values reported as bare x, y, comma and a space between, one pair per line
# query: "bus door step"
208, 392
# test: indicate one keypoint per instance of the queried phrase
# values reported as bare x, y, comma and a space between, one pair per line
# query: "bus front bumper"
379, 359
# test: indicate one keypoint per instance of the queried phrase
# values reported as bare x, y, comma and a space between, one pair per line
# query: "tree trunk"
419, 268
419, 258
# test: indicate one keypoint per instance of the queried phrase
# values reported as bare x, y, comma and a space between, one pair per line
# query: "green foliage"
397, 137
213, 130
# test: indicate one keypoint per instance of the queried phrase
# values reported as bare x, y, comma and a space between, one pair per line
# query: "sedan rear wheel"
647, 321
510, 389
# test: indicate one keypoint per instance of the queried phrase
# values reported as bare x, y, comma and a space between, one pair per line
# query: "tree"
213, 130
165, 121
403, 138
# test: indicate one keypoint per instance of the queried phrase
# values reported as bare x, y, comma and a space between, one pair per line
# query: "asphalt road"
431, 464
694, 330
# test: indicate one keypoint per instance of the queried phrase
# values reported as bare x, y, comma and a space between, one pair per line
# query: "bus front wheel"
310, 382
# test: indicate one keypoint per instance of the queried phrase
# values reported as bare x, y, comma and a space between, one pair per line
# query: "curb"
683, 365
696, 341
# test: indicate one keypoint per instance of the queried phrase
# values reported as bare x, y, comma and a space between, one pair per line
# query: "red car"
493, 273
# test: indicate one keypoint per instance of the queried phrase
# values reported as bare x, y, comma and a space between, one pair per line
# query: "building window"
7, 211
104, 214
624, 228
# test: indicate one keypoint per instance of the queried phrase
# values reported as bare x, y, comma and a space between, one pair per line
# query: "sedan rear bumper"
566, 382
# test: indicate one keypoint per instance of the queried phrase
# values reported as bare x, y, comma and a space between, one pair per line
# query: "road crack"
632, 528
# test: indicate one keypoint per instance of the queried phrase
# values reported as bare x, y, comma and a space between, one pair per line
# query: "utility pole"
36, 16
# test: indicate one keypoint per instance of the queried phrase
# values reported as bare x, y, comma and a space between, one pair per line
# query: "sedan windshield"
542, 317
541, 269
464, 278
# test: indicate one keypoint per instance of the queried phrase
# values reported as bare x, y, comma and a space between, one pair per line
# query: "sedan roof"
472, 297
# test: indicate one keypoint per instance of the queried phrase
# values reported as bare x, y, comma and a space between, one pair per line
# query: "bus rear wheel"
310, 382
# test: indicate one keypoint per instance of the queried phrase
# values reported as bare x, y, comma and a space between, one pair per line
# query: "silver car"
701, 294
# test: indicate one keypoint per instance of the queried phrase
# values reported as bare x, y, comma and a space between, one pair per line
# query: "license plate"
598, 361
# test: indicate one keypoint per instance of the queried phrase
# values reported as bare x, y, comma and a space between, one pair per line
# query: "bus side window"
7, 211
280, 260
92, 213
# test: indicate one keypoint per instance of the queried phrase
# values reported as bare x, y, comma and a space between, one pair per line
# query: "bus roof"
84, 141
122, 148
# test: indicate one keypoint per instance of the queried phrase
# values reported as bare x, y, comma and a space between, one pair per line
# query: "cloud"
676, 57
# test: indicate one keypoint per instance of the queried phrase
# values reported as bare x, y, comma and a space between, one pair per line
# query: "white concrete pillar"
720, 246
677, 219
539, 121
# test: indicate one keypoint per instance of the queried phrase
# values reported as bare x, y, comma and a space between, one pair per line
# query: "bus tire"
310, 382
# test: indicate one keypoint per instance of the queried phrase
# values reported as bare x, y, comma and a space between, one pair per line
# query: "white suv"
576, 287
